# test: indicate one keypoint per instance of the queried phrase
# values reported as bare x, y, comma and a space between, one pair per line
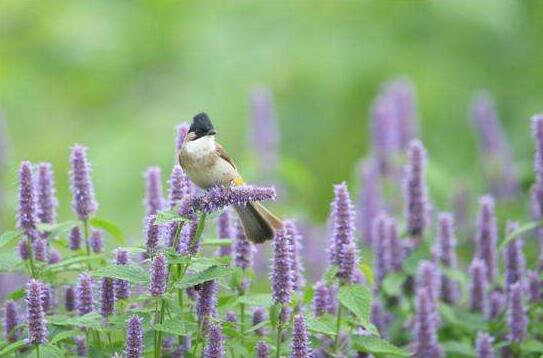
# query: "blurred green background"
118, 76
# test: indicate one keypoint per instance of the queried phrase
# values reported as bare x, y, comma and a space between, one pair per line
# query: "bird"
207, 164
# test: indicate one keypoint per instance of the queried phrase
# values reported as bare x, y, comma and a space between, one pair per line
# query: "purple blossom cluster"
219, 197
83, 202
417, 205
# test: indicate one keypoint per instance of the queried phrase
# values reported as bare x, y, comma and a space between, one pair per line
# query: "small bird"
207, 165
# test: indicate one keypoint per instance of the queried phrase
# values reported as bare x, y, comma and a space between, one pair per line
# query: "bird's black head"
202, 126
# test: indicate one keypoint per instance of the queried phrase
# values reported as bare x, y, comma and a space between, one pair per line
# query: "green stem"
338, 327
161, 319
31, 256
242, 322
86, 238
156, 332
278, 340
37, 350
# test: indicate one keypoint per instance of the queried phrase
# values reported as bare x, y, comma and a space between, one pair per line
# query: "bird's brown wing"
222, 153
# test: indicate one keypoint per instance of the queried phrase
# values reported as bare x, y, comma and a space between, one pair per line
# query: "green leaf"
56, 230
376, 345
132, 249
532, 346
330, 274
357, 299
521, 230
110, 228
12, 347
392, 284
10, 263
175, 258
257, 300
166, 217
368, 273
65, 335
202, 263
131, 273
72, 261
17, 294
217, 242
462, 349
211, 273
50, 351
90, 320
411, 263
316, 325
176, 327
8, 237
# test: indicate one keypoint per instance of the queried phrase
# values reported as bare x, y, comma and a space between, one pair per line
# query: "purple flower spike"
215, 343
81, 346
47, 201
402, 96
500, 171
242, 249
281, 275
134, 338
259, 316
496, 304
152, 235
537, 132
40, 250
159, 275
206, 303
300, 347
121, 287
486, 236
75, 239
225, 230
369, 199
514, 258
417, 205
425, 343
262, 350
69, 299
54, 256
85, 294
321, 299
446, 253
83, 202
154, 201
46, 298
382, 247
188, 244
37, 329
96, 241
176, 186
182, 130
384, 133
264, 133
478, 294
219, 197
107, 298
298, 281
516, 314
11, 321
534, 286
231, 317
397, 247
429, 280
28, 210
483, 346
23, 248
343, 251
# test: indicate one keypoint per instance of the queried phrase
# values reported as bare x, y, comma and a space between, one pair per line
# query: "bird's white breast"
204, 166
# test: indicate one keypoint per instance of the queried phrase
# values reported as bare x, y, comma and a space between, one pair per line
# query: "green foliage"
357, 299
131, 273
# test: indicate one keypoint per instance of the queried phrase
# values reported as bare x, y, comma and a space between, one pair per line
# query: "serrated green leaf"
72, 261
12, 347
50, 351
318, 326
8, 237
64, 335
174, 259
368, 273
90, 320
17, 294
110, 228
357, 299
462, 349
211, 273
57, 229
131, 273
166, 217
257, 300
521, 230
217, 242
202, 263
176, 327
376, 345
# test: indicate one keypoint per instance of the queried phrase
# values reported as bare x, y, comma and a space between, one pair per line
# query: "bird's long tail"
258, 222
